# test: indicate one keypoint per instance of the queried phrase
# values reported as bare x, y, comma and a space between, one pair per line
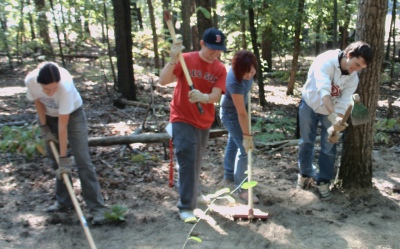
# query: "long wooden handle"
345, 117
167, 18
74, 200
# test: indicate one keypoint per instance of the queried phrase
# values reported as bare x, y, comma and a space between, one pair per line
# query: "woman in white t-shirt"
62, 120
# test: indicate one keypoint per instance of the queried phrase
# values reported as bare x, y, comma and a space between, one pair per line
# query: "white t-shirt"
64, 101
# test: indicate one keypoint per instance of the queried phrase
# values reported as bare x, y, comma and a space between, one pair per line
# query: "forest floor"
297, 218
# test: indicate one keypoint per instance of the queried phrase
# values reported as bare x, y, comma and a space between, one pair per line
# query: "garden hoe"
360, 114
251, 213
74, 200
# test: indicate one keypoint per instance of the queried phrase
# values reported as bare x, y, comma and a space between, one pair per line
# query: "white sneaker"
324, 191
187, 216
305, 182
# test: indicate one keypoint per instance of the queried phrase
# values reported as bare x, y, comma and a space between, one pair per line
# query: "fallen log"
141, 138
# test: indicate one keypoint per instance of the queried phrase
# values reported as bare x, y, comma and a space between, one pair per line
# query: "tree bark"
356, 162
43, 26
123, 43
155, 37
296, 50
203, 22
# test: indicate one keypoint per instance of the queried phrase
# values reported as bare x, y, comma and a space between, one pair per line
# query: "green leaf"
195, 239
248, 185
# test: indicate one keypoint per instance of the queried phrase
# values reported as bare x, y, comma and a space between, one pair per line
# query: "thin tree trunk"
109, 47
296, 51
155, 37
57, 33
43, 26
253, 34
356, 162
243, 28
185, 26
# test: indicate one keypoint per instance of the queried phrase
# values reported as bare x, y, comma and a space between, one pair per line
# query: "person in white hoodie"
331, 81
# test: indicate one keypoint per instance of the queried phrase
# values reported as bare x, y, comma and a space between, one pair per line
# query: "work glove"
248, 143
47, 135
176, 48
197, 96
333, 136
336, 122
64, 166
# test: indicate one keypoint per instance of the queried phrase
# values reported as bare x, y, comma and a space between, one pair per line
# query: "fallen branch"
141, 138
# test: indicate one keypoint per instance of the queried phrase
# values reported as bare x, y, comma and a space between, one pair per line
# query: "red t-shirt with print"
205, 76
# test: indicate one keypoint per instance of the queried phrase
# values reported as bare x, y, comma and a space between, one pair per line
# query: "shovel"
360, 114
74, 200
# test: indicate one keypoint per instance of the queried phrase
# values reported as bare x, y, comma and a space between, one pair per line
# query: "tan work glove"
47, 135
335, 121
64, 166
197, 96
248, 143
333, 136
176, 48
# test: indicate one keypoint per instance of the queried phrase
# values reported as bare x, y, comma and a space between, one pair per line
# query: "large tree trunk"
123, 44
356, 163
186, 33
296, 50
43, 26
203, 22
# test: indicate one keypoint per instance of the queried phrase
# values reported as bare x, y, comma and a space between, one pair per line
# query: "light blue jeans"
308, 121
235, 161
190, 144
78, 141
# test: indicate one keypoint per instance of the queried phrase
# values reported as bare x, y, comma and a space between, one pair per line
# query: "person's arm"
63, 134
167, 74
41, 111
238, 101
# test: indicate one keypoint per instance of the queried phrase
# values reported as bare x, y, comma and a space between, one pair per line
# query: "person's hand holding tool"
333, 136
337, 122
197, 96
64, 167
176, 48
47, 135
248, 143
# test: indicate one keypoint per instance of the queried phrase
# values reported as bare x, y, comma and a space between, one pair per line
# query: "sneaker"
57, 207
98, 216
204, 199
324, 191
245, 197
187, 216
305, 182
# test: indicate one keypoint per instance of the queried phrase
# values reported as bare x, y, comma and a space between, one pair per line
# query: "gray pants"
190, 144
78, 141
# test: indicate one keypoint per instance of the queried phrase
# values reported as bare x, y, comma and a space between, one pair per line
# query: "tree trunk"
344, 36
243, 28
392, 30
253, 34
203, 22
356, 162
123, 43
57, 33
3, 31
296, 50
43, 26
155, 37
186, 33
109, 46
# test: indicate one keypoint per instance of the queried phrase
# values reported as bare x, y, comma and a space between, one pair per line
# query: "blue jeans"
78, 141
190, 144
308, 121
235, 161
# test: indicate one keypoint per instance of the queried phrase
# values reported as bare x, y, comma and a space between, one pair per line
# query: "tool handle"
74, 199
345, 117
168, 20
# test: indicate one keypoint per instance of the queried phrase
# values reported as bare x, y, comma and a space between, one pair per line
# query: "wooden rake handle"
168, 20
74, 199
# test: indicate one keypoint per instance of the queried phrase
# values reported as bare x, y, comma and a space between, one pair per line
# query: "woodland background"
115, 50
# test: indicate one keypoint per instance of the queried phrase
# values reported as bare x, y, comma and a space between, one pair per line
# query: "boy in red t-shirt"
190, 129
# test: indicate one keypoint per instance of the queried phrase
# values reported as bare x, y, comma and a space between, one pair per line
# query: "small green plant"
382, 127
277, 126
116, 213
22, 140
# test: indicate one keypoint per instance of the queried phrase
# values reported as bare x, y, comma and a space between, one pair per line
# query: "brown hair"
242, 62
